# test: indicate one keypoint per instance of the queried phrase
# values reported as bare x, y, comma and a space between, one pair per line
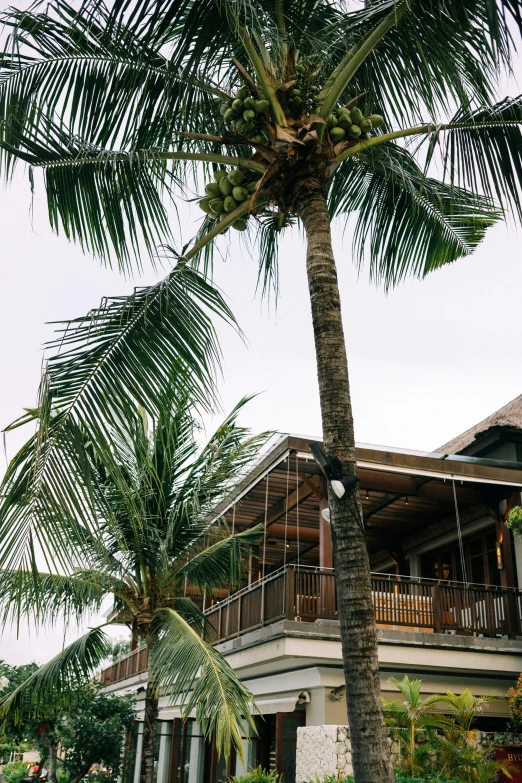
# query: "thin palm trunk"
370, 750
150, 722
52, 761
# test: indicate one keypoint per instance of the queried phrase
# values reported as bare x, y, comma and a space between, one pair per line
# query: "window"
480, 559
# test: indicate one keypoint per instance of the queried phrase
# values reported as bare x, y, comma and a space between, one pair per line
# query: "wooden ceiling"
396, 506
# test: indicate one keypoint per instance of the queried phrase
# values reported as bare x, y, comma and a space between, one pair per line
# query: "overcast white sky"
427, 360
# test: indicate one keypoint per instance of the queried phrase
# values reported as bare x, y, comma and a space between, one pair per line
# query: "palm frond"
43, 597
198, 678
53, 685
409, 223
201, 484
482, 150
221, 563
118, 357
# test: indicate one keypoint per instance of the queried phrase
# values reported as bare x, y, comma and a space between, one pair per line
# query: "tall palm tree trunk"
149, 729
370, 749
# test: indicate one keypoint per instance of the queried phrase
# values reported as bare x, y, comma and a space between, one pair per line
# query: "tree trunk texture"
52, 761
149, 730
370, 750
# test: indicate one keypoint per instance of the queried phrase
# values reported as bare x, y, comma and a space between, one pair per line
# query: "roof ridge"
510, 415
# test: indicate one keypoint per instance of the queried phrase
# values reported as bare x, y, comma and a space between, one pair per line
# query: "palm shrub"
15, 772
288, 110
151, 549
411, 718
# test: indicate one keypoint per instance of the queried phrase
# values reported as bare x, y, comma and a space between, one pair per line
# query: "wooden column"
325, 532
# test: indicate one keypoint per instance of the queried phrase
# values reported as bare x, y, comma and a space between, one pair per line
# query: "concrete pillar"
517, 543
415, 566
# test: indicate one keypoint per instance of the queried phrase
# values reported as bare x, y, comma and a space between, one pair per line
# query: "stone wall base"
326, 750
322, 750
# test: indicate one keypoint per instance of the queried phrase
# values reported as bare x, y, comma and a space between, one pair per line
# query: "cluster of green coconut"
228, 191
351, 123
303, 96
246, 115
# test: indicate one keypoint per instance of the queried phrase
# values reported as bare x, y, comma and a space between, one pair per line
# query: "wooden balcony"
403, 603
306, 594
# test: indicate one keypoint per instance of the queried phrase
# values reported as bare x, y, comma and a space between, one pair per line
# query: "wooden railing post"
290, 593
437, 609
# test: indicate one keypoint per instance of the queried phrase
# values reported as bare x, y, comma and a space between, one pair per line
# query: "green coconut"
240, 224
258, 138
356, 115
354, 131
344, 121
204, 204
249, 102
212, 190
365, 125
229, 114
248, 115
219, 174
243, 93
225, 186
217, 205
237, 104
248, 127
337, 134
224, 108
251, 188
240, 193
230, 204
235, 177
376, 120
261, 106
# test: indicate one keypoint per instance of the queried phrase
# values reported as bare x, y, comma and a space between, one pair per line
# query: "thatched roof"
509, 416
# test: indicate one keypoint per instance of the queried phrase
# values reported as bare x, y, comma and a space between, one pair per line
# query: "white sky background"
426, 361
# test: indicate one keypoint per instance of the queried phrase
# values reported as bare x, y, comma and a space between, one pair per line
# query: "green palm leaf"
53, 684
407, 222
119, 356
199, 679
482, 150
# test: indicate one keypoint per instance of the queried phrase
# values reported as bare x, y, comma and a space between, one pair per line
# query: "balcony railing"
309, 594
134, 663
407, 603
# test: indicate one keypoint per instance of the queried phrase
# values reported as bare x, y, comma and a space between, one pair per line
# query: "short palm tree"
151, 551
406, 718
300, 110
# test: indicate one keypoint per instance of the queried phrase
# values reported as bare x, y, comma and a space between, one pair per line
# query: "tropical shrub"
15, 772
515, 705
258, 775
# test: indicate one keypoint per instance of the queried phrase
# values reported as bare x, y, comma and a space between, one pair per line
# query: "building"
447, 579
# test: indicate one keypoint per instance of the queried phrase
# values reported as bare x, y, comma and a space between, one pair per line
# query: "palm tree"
406, 718
152, 550
123, 108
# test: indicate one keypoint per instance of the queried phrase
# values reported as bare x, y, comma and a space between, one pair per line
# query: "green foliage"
514, 520
92, 729
437, 747
120, 647
258, 775
157, 545
515, 705
15, 772
333, 779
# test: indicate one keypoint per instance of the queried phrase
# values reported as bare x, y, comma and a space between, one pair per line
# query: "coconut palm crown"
152, 551
268, 112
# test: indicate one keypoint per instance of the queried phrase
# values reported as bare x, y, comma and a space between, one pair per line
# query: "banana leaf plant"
384, 113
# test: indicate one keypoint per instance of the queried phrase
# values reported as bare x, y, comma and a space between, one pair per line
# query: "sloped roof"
508, 416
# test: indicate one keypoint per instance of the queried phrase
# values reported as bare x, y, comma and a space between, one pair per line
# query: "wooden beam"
287, 504
305, 533
312, 484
